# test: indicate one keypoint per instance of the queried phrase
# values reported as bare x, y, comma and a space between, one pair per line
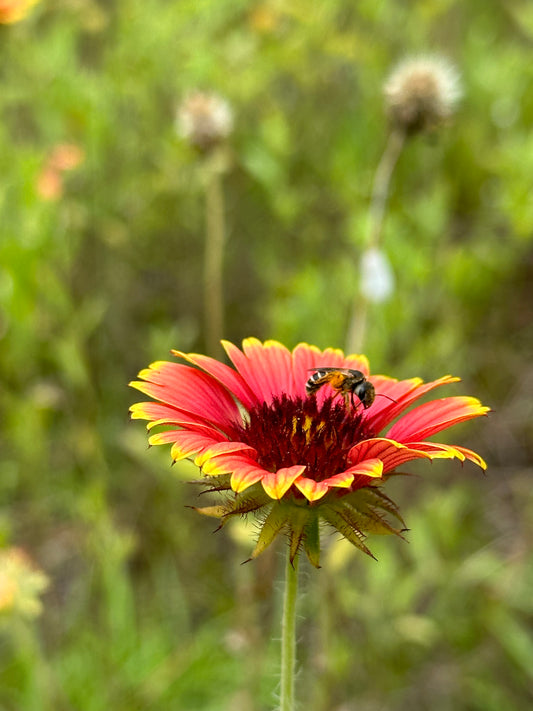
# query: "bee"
345, 381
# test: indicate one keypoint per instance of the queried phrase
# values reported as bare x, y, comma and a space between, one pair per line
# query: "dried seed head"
204, 120
421, 93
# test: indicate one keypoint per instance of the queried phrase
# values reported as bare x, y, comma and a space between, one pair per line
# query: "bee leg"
355, 406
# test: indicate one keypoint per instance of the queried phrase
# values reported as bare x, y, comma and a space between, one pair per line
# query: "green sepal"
371, 521
298, 523
371, 498
215, 511
213, 483
382, 501
345, 522
245, 503
271, 527
312, 540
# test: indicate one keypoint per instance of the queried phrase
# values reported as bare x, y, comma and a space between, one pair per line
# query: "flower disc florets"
297, 459
288, 432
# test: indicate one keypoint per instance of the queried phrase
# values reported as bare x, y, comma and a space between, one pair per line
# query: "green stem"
288, 635
213, 265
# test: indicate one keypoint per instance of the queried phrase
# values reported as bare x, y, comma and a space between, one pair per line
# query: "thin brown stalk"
378, 203
214, 263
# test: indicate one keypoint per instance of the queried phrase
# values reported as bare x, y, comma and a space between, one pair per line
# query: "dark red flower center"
300, 431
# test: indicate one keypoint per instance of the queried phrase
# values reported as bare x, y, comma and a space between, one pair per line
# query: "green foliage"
146, 609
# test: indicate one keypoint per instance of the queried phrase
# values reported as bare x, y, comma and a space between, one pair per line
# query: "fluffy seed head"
421, 93
204, 120
377, 277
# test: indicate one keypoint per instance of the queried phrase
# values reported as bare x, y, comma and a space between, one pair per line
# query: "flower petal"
432, 417
472, 456
226, 376
445, 451
153, 411
361, 474
184, 442
311, 489
191, 391
223, 448
276, 484
266, 367
306, 358
402, 392
364, 472
372, 467
228, 462
246, 475
390, 452
357, 362
165, 415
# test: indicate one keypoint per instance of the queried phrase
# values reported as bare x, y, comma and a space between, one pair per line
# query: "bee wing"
344, 371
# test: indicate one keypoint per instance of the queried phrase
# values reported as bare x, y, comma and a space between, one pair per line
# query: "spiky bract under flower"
296, 460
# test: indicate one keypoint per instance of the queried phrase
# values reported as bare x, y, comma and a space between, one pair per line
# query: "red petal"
276, 484
445, 451
226, 376
190, 391
245, 476
404, 392
228, 463
357, 362
184, 442
311, 489
371, 467
365, 472
306, 358
362, 474
224, 448
153, 411
391, 453
432, 417
266, 367
160, 414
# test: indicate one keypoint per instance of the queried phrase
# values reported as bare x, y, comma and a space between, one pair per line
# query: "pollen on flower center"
301, 431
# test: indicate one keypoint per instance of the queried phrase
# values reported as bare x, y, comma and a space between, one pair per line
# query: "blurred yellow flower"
14, 10
21, 583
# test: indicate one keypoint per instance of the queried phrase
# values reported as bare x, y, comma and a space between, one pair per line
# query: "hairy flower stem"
378, 203
213, 263
288, 635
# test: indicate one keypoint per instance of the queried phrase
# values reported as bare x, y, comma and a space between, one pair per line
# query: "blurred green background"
101, 273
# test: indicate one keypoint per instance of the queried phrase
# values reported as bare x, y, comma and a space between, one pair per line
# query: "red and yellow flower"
297, 460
